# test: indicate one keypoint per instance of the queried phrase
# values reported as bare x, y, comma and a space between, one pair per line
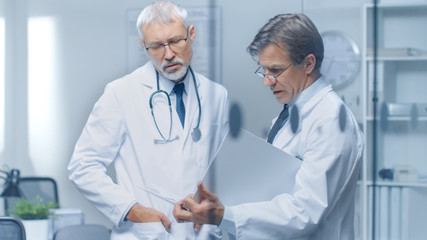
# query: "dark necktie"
180, 108
278, 124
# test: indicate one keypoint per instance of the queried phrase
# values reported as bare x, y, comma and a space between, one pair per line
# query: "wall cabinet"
394, 180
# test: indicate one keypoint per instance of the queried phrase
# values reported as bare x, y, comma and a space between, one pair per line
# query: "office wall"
76, 47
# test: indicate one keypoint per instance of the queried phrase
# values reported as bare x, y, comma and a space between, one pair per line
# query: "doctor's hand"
141, 214
209, 211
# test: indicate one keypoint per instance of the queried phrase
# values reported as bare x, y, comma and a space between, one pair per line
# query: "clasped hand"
208, 211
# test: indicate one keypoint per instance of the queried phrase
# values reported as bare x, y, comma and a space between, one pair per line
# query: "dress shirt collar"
309, 92
168, 85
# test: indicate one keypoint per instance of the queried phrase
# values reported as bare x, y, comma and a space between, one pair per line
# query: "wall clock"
341, 63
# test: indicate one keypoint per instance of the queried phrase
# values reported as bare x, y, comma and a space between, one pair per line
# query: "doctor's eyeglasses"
174, 45
261, 73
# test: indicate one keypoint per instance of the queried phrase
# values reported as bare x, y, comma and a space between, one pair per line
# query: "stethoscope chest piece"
196, 134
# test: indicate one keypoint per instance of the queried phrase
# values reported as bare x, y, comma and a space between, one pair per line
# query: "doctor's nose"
268, 81
169, 54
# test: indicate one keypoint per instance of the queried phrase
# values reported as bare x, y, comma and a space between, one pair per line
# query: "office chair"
33, 187
83, 232
11, 229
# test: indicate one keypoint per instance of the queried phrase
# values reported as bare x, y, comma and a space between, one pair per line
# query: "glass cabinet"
395, 119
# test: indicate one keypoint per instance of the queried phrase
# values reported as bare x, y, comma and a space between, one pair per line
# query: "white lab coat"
321, 205
121, 130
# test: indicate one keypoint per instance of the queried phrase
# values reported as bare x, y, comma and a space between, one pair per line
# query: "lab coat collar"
299, 107
311, 95
148, 79
147, 75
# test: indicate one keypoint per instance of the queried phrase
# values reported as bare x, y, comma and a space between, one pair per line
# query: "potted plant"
34, 215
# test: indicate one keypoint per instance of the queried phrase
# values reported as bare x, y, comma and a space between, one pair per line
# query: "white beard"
174, 75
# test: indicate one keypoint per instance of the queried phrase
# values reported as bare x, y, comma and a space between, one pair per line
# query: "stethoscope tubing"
196, 134
170, 113
198, 98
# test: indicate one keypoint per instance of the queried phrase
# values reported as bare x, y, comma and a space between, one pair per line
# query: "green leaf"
34, 209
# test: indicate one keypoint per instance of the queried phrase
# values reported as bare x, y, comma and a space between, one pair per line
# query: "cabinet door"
396, 119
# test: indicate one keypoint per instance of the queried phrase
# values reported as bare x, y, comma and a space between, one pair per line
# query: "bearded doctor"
314, 126
159, 126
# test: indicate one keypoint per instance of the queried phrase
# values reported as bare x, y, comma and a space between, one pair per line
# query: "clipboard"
249, 169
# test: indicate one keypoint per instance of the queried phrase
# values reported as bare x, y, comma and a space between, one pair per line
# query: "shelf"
397, 119
401, 5
395, 184
398, 58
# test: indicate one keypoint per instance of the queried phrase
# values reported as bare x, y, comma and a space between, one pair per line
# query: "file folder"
248, 169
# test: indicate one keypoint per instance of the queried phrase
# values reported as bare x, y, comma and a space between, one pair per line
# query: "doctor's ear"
141, 42
192, 33
309, 63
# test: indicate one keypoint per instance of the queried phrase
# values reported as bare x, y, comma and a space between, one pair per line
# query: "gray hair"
160, 12
296, 32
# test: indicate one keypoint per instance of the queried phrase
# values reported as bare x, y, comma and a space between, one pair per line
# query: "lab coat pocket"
150, 230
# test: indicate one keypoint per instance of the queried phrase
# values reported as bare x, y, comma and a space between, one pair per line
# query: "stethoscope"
196, 134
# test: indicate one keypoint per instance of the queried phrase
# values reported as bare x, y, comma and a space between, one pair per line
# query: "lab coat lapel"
286, 135
192, 107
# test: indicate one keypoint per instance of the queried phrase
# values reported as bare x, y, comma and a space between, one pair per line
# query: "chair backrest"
83, 232
33, 187
11, 229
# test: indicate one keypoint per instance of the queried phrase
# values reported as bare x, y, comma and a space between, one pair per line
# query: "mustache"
167, 63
